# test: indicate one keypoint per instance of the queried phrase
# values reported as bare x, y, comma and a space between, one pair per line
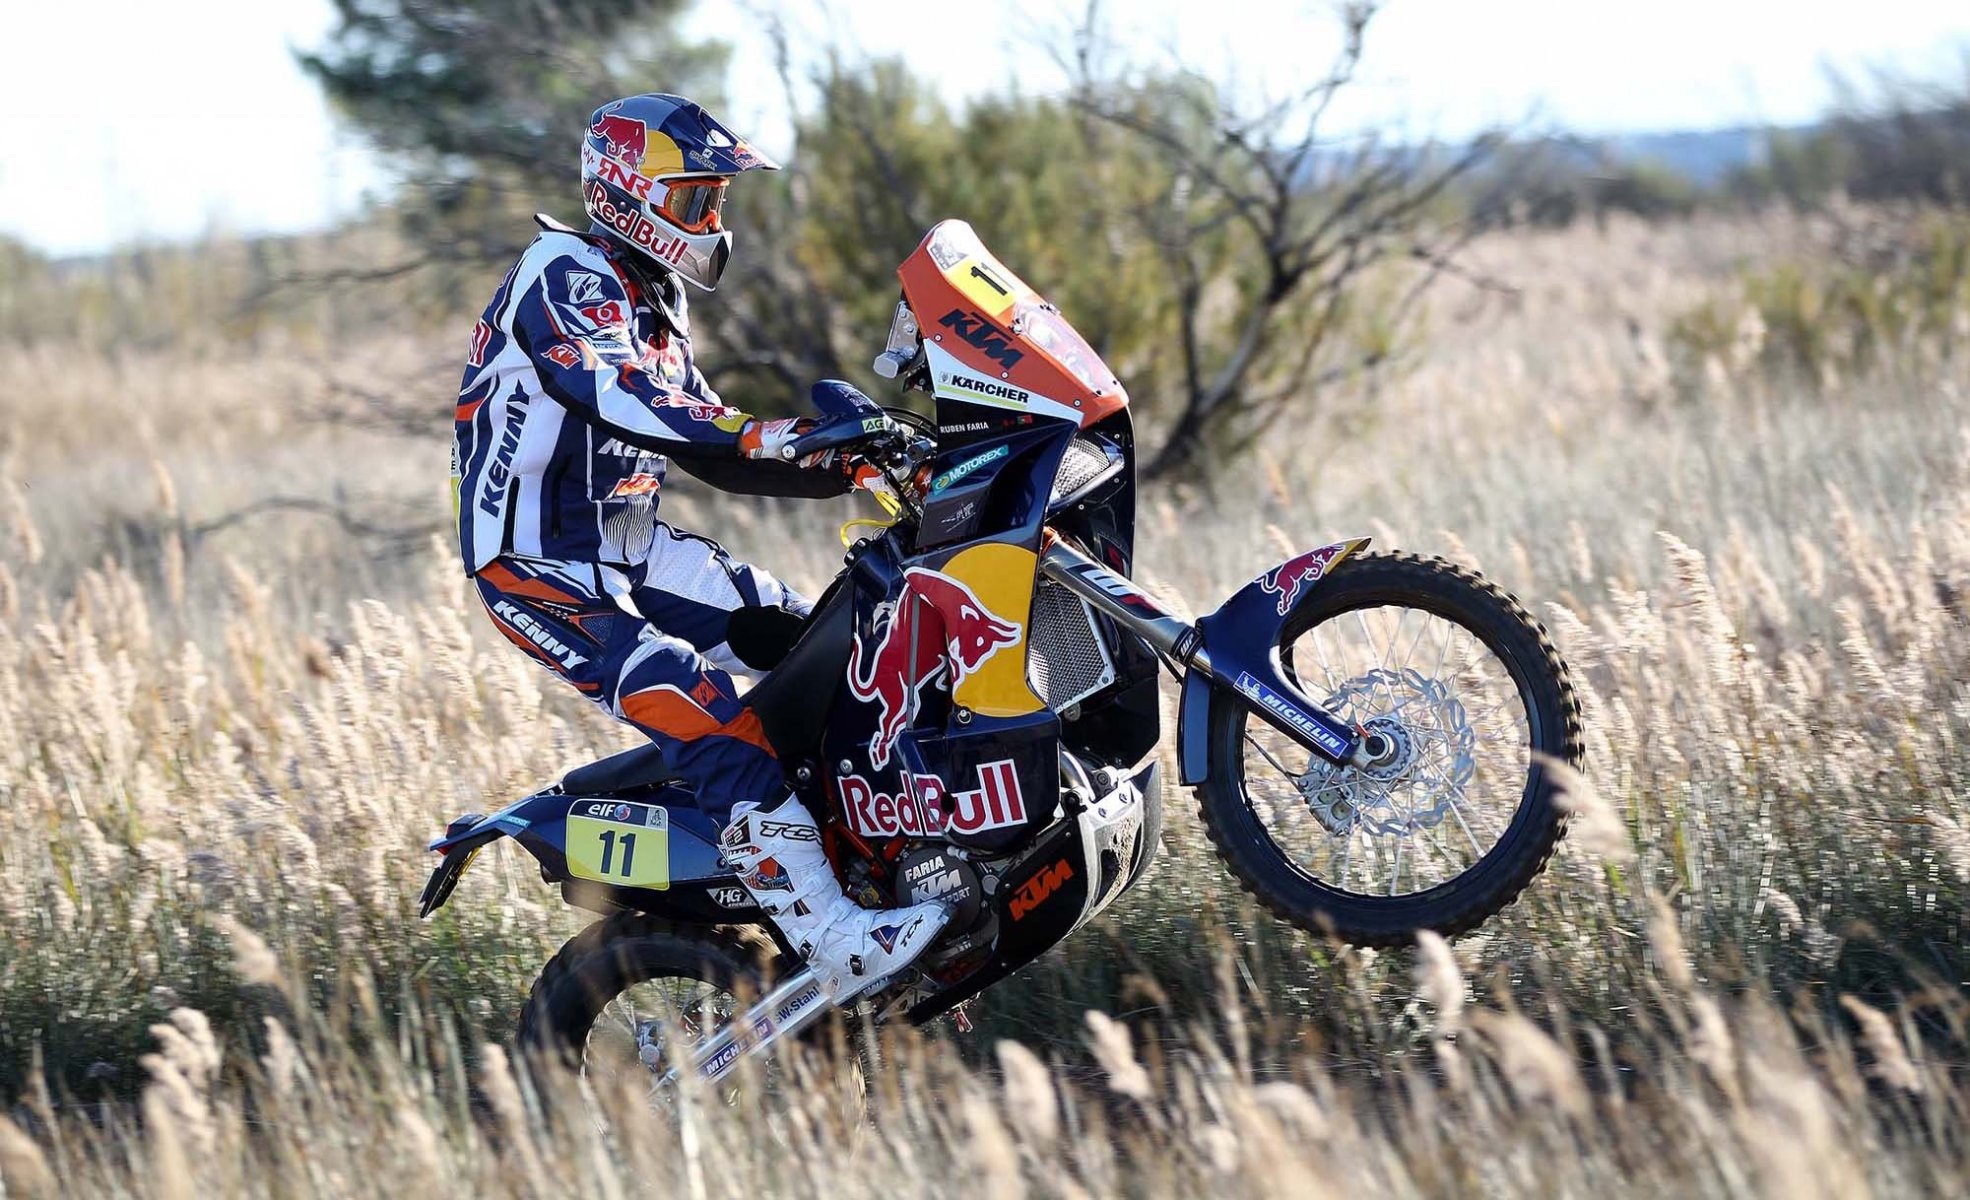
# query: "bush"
1898, 302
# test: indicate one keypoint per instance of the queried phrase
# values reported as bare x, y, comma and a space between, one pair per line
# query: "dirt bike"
971, 711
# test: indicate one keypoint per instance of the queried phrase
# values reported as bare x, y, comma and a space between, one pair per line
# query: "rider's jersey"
576, 385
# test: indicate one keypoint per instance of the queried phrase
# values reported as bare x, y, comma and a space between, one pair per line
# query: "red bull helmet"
653, 175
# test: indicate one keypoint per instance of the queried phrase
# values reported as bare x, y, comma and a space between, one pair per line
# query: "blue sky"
169, 119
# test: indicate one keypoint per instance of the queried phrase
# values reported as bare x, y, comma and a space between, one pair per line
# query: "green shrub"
1899, 304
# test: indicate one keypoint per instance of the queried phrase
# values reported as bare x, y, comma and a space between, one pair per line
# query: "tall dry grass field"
242, 682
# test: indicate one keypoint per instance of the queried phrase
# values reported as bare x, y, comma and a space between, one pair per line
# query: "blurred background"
1659, 314
282, 215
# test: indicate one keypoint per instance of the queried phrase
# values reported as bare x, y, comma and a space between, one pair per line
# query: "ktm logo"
1035, 891
981, 334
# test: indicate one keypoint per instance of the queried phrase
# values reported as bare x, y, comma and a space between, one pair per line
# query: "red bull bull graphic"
1292, 577
921, 809
623, 138
938, 630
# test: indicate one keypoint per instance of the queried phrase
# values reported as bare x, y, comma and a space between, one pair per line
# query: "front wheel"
1462, 695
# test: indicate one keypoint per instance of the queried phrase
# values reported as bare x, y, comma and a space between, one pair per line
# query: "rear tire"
630, 949
1520, 644
619, 952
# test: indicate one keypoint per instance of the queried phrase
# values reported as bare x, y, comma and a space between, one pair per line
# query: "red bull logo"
1290, 578
622, 138
928, 809
639, 229
938, 630
770, 876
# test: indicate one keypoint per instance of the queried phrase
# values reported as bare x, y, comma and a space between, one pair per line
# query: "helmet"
653, 176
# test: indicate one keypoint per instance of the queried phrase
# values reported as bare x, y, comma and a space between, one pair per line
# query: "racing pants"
652, 652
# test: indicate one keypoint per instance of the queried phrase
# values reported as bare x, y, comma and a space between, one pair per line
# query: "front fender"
1241, 645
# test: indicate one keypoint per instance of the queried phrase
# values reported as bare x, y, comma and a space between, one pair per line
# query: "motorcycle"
972, 713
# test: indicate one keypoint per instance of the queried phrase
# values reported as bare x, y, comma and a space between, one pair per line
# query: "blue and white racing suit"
580, 384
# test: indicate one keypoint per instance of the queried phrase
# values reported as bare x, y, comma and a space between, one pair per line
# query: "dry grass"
222, 748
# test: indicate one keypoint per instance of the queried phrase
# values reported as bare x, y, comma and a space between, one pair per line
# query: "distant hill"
1704, 157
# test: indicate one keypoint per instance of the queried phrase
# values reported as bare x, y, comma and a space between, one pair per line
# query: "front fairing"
937, 731
991, 341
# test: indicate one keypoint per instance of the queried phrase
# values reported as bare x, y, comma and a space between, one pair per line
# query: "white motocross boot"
777, 854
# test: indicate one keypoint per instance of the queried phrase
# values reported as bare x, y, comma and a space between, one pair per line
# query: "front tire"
1353, 815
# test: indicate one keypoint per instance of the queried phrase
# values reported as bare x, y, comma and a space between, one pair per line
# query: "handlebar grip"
835, 433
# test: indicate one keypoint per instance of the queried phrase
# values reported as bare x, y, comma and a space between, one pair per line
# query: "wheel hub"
1391, 750
649, 1045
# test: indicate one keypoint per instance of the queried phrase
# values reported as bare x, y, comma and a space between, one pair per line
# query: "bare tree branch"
394, 538
1270, 235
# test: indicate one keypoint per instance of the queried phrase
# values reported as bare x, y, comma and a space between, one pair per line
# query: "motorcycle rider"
579, 386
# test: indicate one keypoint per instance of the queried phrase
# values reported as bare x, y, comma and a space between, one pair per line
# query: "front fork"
1259, 685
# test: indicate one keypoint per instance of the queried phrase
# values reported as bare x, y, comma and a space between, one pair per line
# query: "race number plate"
624, 844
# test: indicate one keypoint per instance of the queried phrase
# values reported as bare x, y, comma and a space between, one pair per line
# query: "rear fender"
608, 854
461, 842
1241, 642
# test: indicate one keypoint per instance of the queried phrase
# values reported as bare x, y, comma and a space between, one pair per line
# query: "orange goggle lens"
693, 204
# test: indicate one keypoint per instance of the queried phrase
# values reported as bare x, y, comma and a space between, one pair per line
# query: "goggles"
692, 204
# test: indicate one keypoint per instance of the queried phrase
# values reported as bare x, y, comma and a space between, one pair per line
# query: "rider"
579, 386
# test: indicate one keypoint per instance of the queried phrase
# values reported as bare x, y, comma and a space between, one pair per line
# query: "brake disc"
1415, 712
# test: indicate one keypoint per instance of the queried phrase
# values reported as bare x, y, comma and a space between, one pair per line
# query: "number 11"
609, 850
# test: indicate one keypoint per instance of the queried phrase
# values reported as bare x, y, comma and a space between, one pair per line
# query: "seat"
794, 699
638, 767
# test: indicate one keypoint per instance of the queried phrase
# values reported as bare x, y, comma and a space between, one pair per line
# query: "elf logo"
1035, 891
981, 334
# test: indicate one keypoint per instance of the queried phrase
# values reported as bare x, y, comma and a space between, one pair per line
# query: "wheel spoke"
1459, 740
1277, 765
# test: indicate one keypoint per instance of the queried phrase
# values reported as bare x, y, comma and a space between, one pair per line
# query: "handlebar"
837, 433
899, 454
896, 442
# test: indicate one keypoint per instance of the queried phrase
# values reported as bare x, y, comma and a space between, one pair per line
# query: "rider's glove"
860, 474
770, 439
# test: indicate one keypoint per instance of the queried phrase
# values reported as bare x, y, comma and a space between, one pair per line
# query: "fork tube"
1133, 608
1122, 600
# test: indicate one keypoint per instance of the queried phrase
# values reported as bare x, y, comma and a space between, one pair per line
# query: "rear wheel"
628, 998
1461, 693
